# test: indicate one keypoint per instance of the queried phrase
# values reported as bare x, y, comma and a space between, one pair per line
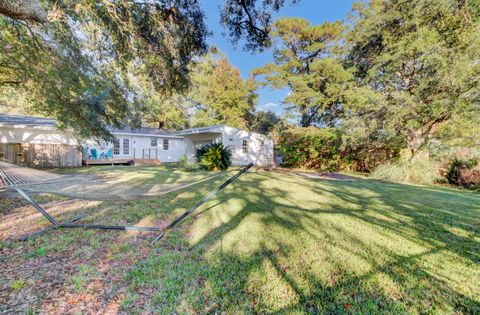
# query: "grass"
139, 175
422, 171
278, 243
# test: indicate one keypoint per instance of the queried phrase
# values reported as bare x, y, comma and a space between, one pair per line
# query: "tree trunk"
23, 10
416, 139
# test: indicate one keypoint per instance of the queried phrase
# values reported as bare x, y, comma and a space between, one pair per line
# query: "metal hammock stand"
72, 223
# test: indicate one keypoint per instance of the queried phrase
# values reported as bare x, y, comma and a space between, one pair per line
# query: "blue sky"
316, 11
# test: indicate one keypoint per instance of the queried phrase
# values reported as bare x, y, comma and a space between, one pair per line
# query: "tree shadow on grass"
395, 209
329, 254
420, 214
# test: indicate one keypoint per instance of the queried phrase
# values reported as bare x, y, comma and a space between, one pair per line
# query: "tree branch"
23, 10
11, 82
251, 22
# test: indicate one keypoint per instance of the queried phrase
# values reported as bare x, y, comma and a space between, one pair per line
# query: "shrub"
188, 166
310, 147
367, 159
214, 157
455, 169
419, 171
461, 173
470, 179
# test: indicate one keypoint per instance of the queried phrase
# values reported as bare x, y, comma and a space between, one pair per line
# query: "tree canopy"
392, 75
422, 60
82, 62
82, 66
220, 94
304, 62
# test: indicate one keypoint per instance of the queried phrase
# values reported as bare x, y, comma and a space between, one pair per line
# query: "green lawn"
274, 243
139, 175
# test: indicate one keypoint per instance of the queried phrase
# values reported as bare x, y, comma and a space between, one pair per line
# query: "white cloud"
277, 108
269, 106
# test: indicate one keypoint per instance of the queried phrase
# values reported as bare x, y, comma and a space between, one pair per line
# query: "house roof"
20, 121
143, 132
209, 129
213, 130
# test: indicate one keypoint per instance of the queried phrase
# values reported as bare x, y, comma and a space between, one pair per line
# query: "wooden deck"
121, 161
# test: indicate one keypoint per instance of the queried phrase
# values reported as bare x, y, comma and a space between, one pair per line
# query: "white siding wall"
35, 136
137, 145
260, 147
176, 148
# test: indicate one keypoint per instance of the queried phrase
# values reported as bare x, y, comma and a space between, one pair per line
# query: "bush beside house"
310, 147
214, 157
323, 149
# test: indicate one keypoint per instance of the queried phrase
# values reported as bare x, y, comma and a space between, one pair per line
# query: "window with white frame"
245, 146
165, 144
153, 142
116, 147
126, 146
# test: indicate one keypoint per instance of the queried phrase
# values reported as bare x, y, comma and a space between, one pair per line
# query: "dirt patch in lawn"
77, 279
64, 271
20, 219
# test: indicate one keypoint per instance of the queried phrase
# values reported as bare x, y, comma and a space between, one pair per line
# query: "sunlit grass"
141, 175
278, 243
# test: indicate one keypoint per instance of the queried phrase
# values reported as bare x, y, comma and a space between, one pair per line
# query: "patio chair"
110, 153
94, 155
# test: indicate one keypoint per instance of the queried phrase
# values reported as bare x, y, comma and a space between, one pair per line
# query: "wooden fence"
11, 152
41, 155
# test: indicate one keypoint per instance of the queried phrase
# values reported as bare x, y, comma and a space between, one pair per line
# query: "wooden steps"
146, 162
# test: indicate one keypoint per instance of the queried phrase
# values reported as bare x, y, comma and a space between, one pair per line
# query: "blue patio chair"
85, 152
94, 154
110, 153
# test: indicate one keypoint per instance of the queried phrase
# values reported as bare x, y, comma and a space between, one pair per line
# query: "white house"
22, 136
246, 146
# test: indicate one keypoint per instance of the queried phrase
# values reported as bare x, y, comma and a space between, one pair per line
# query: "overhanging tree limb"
23, 10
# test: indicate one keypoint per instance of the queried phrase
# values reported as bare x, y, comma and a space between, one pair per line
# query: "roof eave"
122, 133
21, 126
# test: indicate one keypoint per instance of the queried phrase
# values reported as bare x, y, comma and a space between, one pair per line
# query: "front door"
121, 147
126, 146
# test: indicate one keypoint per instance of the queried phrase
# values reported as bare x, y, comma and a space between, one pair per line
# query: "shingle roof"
20, 121
11, 120
142, 131
215, 128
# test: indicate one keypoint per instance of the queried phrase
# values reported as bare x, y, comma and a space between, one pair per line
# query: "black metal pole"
26, 237
109, 227
72, 224
37, 206
201, 202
